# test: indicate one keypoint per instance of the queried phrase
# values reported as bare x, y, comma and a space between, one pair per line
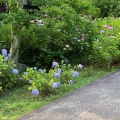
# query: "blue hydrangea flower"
58, 84
35, 68
4, 52
6, 58
54, 64
40, 70
55, 85
59, 70
70, 82
57, 75
25, 73
35, 92
75, 74
9, 55
15, 71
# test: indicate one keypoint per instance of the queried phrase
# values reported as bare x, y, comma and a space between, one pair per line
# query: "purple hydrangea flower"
15, 71
40, 70
102, 31
71, 82
55, 85
59, 70
35, 92
4, 52
58, 84
57, 75
54, 64
80, 66
75, 74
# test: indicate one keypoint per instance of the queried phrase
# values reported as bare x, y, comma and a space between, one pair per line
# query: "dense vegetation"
56, 42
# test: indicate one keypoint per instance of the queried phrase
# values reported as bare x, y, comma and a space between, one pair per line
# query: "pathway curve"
99, 100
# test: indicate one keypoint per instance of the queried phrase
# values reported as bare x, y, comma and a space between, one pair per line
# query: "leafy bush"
108, 7
45, 83
106, 49
8, 75
65, 35
84, 7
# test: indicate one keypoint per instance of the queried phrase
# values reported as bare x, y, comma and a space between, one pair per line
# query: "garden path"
99, 100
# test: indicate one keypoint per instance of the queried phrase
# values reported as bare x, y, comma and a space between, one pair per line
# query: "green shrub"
106, 49
46, 82
8, 75
63, 26
108, 7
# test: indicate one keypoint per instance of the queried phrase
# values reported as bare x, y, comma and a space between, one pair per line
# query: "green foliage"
106, 49
11, 109
108, 7
43, 81
7, 78
5, 35
39, 80
62, 26
84, 7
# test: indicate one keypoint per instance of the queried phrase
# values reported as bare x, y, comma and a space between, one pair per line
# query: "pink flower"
110, 27
90, 16
82, 39
102, 31
80, 66
100, 47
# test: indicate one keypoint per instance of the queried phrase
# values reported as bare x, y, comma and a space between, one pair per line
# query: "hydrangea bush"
68, 29
46, 82
8, 72
106, 48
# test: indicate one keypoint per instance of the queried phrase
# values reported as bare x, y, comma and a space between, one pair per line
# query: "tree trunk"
14, 49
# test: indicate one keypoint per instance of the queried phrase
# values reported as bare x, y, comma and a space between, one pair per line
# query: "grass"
18, 102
